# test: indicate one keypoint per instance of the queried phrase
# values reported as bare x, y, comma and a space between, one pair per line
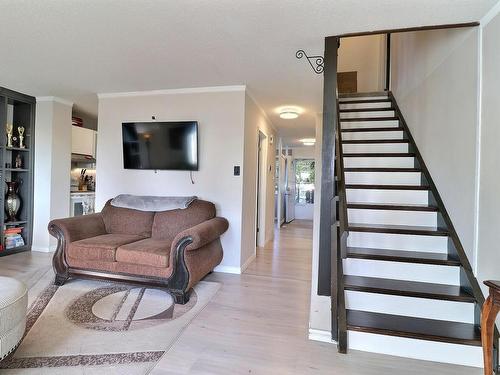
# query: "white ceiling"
74, 49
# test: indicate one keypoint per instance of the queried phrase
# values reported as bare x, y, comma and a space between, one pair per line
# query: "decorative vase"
12, 200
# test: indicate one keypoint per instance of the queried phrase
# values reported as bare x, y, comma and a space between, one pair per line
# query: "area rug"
87, 327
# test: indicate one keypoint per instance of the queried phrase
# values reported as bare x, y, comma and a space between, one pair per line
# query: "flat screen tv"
160, 145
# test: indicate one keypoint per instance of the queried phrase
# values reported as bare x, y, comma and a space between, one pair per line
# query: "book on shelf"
13, 230
13, 241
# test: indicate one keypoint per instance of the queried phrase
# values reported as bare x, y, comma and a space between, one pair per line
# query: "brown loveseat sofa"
171, 249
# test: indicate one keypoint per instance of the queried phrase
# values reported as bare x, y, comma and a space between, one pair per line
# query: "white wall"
366, 55
220, 116
435, 81
52, 168
256, 121
488, 256
319, 314
228, 121
304, 152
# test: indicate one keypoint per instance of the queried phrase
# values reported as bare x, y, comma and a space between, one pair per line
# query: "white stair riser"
398, 241
366, 114
368, 124
392, 217
383, 178
387, 196
365, 105
410, 306
379, 162
418, 349
351, 136
425, 273
356, 98
374, 147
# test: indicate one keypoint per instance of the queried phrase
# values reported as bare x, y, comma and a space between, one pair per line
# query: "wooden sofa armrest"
203, 233
69, 230
203, 237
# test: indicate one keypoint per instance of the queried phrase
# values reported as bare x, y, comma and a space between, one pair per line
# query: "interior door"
290, 190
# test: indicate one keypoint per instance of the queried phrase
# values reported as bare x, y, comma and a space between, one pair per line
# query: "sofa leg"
60, 280
180, 296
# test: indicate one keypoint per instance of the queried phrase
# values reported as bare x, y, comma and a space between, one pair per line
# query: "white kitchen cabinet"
83, 141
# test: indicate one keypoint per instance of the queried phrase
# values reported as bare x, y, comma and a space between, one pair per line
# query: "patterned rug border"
82, 360
35, 311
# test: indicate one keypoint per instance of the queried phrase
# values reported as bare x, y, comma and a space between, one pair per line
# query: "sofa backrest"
167, 224
119, 220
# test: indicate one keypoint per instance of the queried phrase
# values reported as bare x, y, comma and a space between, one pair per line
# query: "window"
304, 181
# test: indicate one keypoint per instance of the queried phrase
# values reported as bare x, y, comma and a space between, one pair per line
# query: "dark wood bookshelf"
18, 109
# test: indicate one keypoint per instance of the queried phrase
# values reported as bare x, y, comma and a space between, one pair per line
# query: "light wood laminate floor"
258, 321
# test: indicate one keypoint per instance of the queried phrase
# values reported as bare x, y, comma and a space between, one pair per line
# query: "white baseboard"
247, 263
321, 335
44, 249
235, 270
228, 269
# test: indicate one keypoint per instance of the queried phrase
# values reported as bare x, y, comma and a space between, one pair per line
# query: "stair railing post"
328, 216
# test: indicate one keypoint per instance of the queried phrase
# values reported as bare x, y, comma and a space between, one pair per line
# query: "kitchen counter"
82, 192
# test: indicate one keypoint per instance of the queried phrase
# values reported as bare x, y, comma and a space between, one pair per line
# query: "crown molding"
189, 90
493, 12
54, 99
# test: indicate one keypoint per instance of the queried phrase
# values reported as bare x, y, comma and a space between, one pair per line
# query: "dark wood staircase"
396, 242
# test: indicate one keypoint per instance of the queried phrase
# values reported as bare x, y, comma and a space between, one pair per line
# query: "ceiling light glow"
308, 140
289, 114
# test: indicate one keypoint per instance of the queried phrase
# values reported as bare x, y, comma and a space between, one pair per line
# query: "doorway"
260, 217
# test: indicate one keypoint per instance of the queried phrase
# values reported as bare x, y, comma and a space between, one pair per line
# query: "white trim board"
228, 269
189, 90
235, 270
44, 249
321, 335
247, 263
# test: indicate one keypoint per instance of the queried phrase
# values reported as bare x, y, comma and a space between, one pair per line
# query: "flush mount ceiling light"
308, 141
289, 113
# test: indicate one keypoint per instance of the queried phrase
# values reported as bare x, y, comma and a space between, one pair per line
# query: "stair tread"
387, 187
378, 94
392, 206
381, 100
404, 256
362, 141
407, 288
376, 109
392, 118
378, 155
417, 328
398, 229
381, 129
380, 169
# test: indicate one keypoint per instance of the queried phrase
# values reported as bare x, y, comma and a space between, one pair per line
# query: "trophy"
20, 130
9, 128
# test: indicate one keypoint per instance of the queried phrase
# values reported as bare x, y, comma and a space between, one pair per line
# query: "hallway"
258, 321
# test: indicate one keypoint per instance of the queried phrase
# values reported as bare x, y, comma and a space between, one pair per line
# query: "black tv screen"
160, 145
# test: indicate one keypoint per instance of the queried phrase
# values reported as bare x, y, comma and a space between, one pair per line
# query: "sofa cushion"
119, 220
167, 224
102, 248
148, 252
